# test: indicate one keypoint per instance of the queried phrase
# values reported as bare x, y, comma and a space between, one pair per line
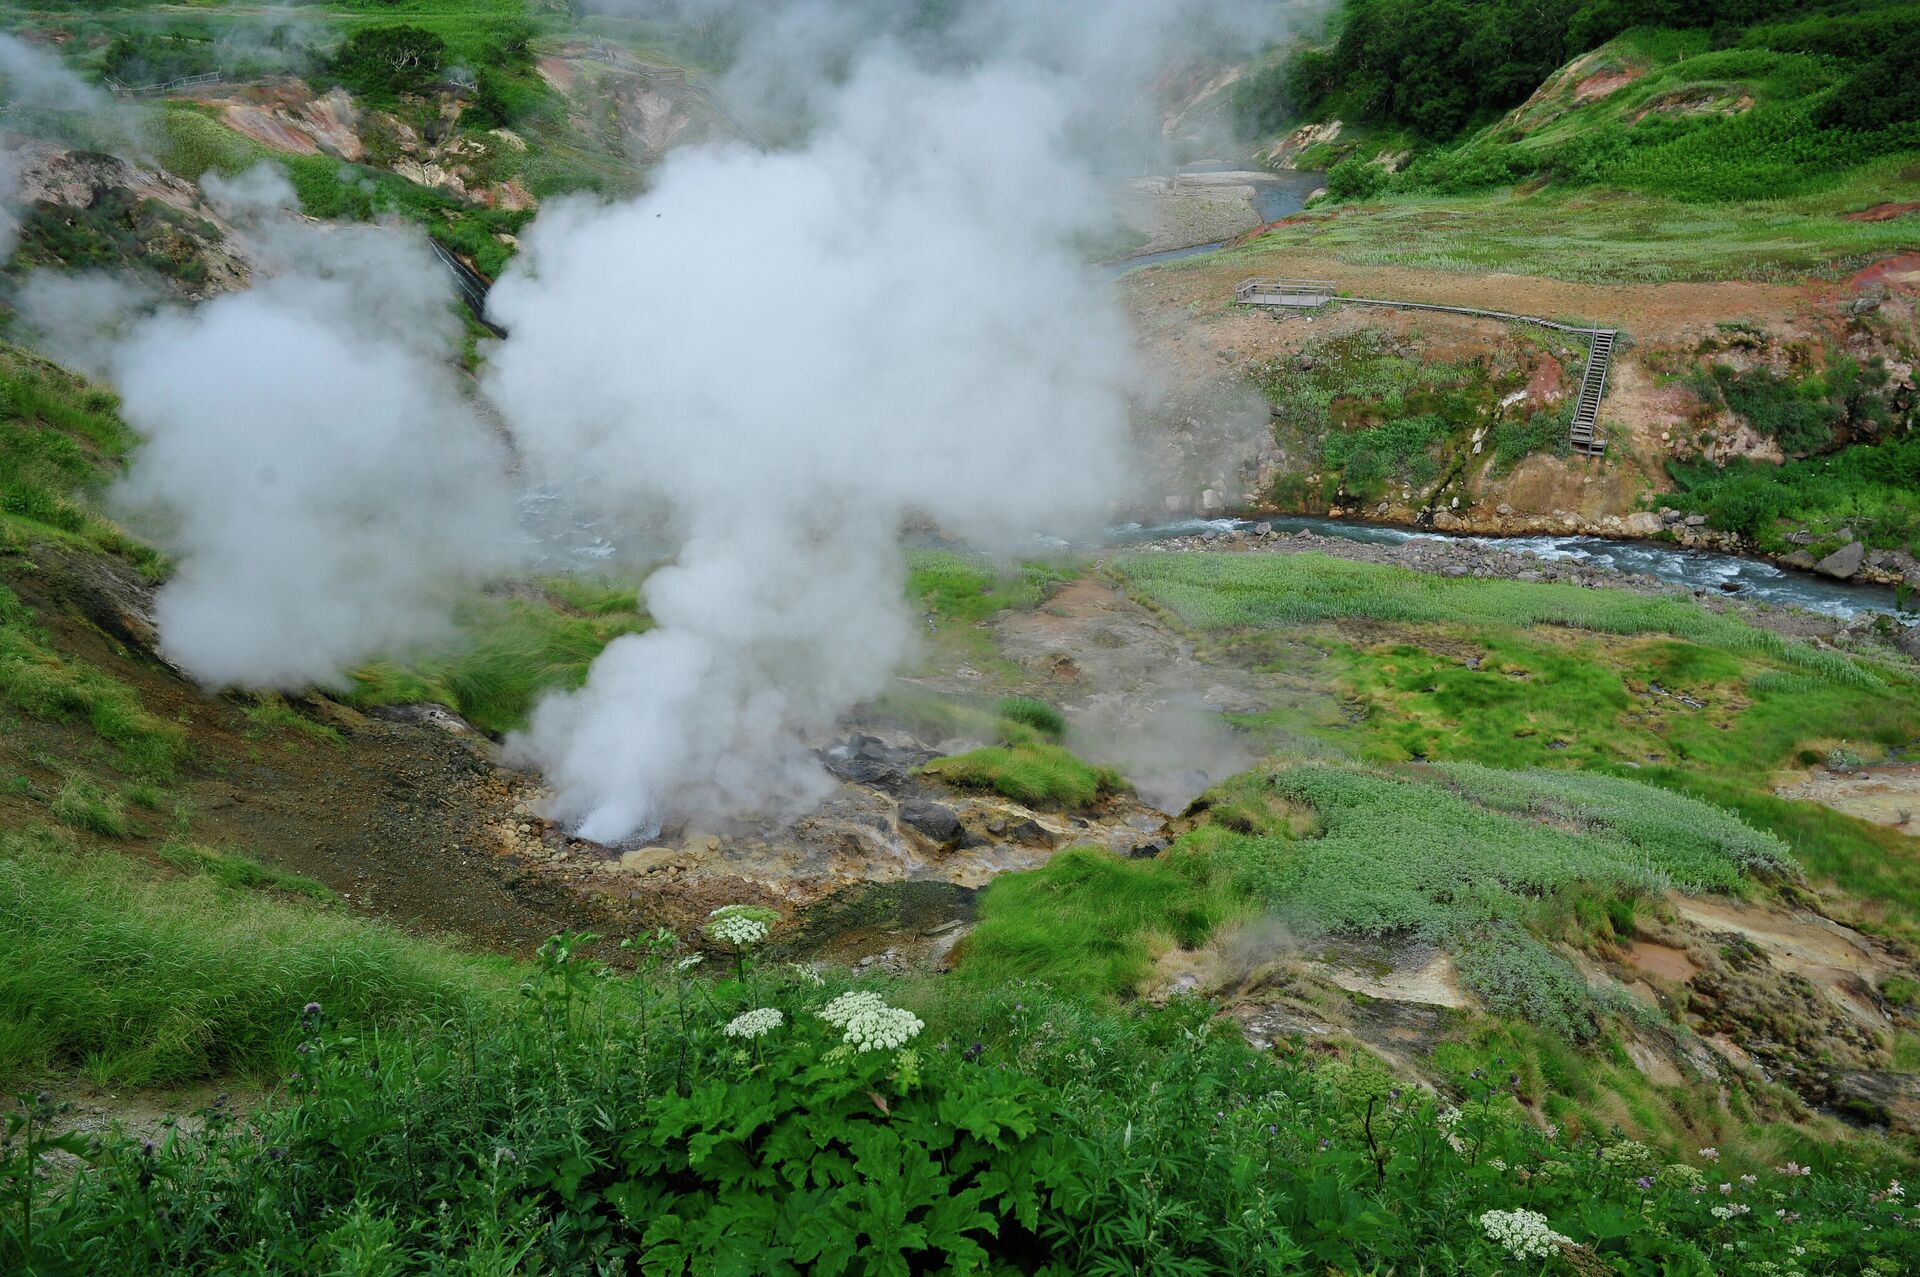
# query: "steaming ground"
911, 337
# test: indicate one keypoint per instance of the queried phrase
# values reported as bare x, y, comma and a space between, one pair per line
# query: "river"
1753, 579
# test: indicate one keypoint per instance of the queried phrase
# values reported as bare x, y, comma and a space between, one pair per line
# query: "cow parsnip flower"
1524, 1234
869, 1024
754, 1024
741, 926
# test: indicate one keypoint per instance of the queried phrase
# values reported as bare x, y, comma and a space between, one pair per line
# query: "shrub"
384, 62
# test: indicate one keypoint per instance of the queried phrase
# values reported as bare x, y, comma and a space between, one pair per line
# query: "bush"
1355, 179
381, 63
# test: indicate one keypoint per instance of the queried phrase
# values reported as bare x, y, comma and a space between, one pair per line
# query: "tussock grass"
1037, 714
1093, 922
1219, 591
141, 980
1035, 773
514, 650
83, 804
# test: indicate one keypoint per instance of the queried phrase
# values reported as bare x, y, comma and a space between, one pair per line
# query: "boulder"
1642, 523
1844, 562
937, 824
1799, 559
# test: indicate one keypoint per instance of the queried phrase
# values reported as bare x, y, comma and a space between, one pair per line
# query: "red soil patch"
1663, 962
1883, 212
1546, 385
1902, 271
1601, 83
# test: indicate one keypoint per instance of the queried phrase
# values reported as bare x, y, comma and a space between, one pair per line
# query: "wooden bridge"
1309, 294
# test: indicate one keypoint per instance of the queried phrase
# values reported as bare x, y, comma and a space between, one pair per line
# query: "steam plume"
307, 457
787, 356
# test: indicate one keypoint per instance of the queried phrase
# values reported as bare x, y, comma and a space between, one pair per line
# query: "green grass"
1600, 236
60, 441
1035, 774
236, 870
514, 650
276, 717
40, 683
1037, 714
1092, 922
195, 143
1220, 591
143, 980
83, 804
965, 588
1872, 488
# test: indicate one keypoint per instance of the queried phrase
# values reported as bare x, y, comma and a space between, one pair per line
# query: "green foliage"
511, 651
1091, 921
1873, 488
1354, 179
1034, 773
83, 804
195, 143
967, 587
1400, 449
380, 63
276, 716
1779, 408
39, 682
1215, 591
114, 231
140, 980
1037, 714
1514, 441
236, 870
59, 440
604, 1123
1474, 858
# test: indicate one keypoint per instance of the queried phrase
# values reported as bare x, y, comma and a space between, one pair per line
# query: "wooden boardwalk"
1310, 294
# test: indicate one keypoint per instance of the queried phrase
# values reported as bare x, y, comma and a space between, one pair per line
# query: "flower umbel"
869, 1024
1525, 1234
741, 926
754, 1024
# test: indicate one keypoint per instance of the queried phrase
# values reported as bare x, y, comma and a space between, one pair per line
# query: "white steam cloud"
307, 458
788, 356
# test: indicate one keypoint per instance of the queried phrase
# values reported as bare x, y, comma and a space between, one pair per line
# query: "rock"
1669, 515
1263, 529
1212, 500
1696, 520
1802, 537
1641, 523
1799, 559
1844, 562
937, 824
1503, 509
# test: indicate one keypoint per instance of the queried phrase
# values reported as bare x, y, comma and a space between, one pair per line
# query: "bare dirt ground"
1884, 795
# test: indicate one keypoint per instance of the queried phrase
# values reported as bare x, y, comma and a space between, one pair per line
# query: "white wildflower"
1447, 1118
755, 1024
689, 962
1730, 1211
1711, 1154
805, 974
738, 930
1525, 1234
1894, 1189
883, 1029
848, 1005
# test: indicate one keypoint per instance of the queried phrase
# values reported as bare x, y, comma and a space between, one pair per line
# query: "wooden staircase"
1593, 385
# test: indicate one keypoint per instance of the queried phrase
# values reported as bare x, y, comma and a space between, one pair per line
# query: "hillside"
749, 761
